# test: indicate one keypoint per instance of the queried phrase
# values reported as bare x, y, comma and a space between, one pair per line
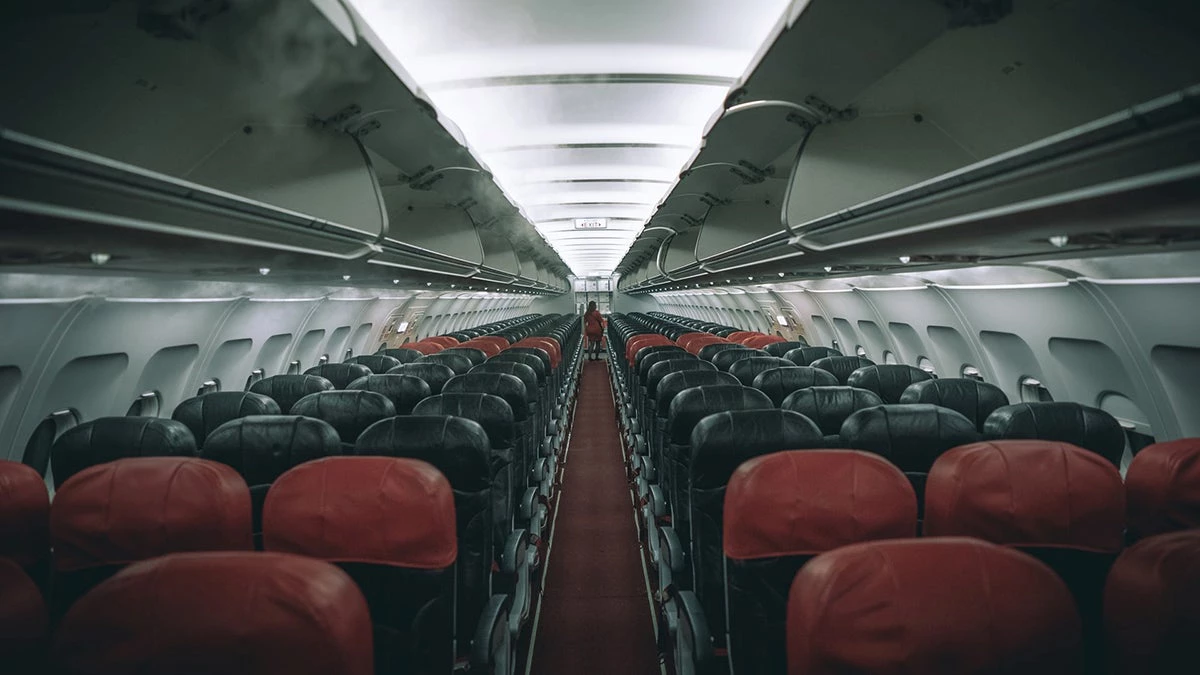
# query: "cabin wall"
1125, 345
94, 344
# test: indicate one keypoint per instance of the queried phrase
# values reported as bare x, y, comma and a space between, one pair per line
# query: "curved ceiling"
579, 109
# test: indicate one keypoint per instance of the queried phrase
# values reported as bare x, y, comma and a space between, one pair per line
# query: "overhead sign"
591, 223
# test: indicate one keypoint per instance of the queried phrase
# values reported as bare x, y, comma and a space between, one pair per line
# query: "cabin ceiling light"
828, 268
264, 271
395, 281
601, 110
100, 258
345, 277
905, 259
781, 275
1059, 240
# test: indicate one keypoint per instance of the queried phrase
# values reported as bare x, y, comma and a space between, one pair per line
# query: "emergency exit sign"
591, 223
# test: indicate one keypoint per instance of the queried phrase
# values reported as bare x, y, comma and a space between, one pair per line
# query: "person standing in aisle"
593, 324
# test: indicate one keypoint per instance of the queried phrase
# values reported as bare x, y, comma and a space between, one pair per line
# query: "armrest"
491, 649
529, 503
515, 553
693, 639
673, 557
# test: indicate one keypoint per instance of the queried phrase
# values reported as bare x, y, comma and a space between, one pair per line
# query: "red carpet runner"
595, 616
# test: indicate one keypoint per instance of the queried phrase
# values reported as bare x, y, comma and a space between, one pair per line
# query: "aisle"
595, 615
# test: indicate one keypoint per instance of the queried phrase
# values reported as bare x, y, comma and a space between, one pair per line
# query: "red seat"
1056, 501
633, 344
550, 345
425, 347
760, 341
487, 347
444, 340
113, 514
229, 613
23, 622
946, 606
24, 515
1162, 487
1152, 606
741, 336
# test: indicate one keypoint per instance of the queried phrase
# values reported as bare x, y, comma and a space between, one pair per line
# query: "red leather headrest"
23, 620
495, 340
24, 514
443, 340
1027, 493
425, 346
1152, 605
547, 344
693, 345
636, 343
951, 606
1162, 487
742, 335
487, 347
142, 507
760, 341
380, 510
228, 613
802, 502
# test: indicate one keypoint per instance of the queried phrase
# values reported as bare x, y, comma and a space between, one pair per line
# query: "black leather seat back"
673, 383
506, 386
646, 352
529, 360
780, 348
720, 444
912, 436
475, 356
521, 371
1085, 426
348, 412
725, 360
107, 439
829, 407
887, 380
287, 389
459, 448
436, 375
662, 369
459, 363
340, 374
779, 383
709, 352
536, 352
804, 356
404, 391
842, 366
746, 370
378, 363
403, 355
262, 447
206, 412
974, 399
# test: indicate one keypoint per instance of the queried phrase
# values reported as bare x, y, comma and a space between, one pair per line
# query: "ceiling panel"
579, 109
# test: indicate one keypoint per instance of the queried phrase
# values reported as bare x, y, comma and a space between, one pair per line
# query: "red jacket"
593, 322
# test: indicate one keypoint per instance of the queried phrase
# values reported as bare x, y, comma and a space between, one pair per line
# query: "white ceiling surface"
579, 109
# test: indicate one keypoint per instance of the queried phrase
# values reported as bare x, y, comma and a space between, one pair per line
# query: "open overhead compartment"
271, 133
959, 136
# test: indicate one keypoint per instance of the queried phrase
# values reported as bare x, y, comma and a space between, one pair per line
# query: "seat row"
471, 437
702, 445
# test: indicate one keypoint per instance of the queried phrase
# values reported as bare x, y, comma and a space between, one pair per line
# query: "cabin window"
256, 375
37, 449
970, 372
889, 358
926, 365
382, 346
861, 351
1033, 391
209, 386
146, 405
323, 360
293, 368
836, 346
349, 354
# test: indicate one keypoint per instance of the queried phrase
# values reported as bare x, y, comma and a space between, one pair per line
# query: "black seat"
402, 355
535, 399
842, 366
888, 380
475, 356
668, 388
709, 352
340, 374
974, 399
378, 363
805, 356
348, 412
725, 360
829, 407
779, 383
459, 363
262, 447
746, 370
201, 414
513, 391
1087, 427
720, 444
107, 439
404, 391
436, 375
459, 449
912, 436
781, 348
287, 389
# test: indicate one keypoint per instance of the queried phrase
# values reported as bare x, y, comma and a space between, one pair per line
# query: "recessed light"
828, 268
1059, 240
395, 281
905, 259
781, 274
100, 258
264, 271
428, 283
345, 277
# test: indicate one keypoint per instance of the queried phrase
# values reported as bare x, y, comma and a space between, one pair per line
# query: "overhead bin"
267, 125
958, 137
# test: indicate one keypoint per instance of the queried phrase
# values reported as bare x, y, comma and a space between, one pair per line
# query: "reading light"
1059, 240
264, 271
395, 281
781, 274
828, 268
100, 258
905, 259
345, 277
